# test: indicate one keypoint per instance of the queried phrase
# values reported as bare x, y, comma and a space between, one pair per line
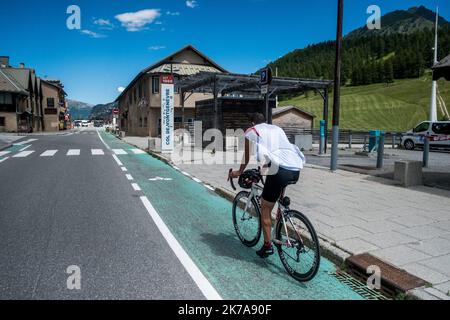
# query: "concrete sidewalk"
408, 228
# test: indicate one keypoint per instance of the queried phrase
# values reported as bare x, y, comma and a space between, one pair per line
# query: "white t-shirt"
273, 145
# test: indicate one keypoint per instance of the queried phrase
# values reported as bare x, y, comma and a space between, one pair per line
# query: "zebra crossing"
70, 153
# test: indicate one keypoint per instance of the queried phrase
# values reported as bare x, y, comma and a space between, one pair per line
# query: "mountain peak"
402, 21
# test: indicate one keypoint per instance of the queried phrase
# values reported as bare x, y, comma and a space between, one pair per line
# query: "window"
145, 122
155, 84
50, 102
140, 122
5, 98
2, 121
177, 87
441, 128
422, 127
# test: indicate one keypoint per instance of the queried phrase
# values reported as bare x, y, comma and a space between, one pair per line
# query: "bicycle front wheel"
247, 219
298, 246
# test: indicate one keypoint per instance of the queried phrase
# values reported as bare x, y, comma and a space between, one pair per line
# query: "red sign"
167, 79
115, 111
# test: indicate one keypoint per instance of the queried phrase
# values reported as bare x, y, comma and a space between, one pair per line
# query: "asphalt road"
63, 211
134, 226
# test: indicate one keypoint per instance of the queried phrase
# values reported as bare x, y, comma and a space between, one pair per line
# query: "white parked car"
439, 133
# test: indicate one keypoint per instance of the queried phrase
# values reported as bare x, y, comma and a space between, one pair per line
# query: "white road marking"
119, 152
117, 160
176, 168
197, 180
129, 177
49, 153
73, 152
203, 284
101, 139
97, 152
136, 187
4, 159
186, 174
160, 179
124, 169
25, 142
4, 153
209, 187
23, 149
23, 154
138, 151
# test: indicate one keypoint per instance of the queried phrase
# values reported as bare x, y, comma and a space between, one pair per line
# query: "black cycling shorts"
276, 183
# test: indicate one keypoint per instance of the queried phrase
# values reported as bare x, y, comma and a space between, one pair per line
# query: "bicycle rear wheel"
298, 246
247, 219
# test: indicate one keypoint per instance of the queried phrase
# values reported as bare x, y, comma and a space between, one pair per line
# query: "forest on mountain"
368, 60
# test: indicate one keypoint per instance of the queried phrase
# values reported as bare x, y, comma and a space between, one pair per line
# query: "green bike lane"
201, 222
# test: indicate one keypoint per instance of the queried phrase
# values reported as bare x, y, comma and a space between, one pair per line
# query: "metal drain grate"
359, 287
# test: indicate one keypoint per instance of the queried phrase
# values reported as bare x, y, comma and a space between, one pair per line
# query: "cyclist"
283, 161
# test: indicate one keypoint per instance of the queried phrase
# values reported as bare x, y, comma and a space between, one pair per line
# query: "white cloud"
192, 3
156, 48
169, 13
121, 89
136, 21
93, 34
105, 23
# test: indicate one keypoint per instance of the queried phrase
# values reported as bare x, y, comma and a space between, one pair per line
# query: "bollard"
394, 140
380, 158
350, 139
322, 137
426, 152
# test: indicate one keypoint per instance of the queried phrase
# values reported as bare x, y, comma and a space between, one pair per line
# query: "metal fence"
348, 137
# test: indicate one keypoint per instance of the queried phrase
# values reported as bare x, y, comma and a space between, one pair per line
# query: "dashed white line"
186, 174
117, 160
49, 153
119, 152
23, 149
129, 177
136, 187
97, 152
124, 169
209, 187
197, 180
23, 154
73, 152
138, 151
202, 282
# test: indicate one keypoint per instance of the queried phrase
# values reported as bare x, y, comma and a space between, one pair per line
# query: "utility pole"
433, 105
337, 88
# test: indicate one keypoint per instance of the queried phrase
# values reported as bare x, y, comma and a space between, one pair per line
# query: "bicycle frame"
255, 193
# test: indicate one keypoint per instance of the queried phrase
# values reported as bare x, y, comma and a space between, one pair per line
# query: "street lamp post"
337, 87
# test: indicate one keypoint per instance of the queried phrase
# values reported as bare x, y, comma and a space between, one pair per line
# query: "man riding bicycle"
284, 162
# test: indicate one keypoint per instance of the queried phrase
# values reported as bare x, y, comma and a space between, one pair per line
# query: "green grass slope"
397, 107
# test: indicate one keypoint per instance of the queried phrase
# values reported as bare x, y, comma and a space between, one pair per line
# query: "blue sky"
240, 35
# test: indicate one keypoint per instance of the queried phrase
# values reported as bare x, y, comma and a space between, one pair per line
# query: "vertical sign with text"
167, 113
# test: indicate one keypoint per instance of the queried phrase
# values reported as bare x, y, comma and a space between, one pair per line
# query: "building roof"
54, 83
185, 69
22, 76
281, 110
247, 85
9, 84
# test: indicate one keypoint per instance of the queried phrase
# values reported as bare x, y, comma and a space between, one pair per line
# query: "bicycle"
293, 230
